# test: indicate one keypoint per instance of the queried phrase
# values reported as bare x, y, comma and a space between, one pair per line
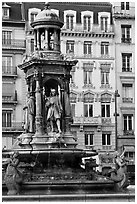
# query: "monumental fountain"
45, 157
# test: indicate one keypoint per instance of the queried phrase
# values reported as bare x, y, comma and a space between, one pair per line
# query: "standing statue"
54, 110
25, 119
31, 112
13, 177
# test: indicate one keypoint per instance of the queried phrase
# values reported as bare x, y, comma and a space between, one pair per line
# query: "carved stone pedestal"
23, 141
39, 141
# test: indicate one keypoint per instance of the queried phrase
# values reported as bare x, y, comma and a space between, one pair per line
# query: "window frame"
89, 139
107, 112
70, 46
104, 48
87, 110
7, 123
126, 62
126, 125
7, 68
106, 139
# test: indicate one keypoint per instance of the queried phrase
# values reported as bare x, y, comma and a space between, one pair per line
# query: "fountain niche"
47, 150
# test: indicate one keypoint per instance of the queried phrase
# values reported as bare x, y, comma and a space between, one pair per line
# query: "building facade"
124, 21
13, 82
89, 35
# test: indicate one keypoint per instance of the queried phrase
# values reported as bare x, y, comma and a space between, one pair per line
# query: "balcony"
127, 100
12, 43
126, 40
12, 126
87, 120
106, 147
106, 120
124, 69
128, 132
10, 99
94, 29
9, 71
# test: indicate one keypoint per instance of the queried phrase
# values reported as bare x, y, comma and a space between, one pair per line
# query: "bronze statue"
13, 177
54, 110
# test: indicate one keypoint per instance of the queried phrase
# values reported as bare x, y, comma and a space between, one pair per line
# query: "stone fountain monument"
46, 151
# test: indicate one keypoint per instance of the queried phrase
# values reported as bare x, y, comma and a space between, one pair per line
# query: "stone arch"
88, 96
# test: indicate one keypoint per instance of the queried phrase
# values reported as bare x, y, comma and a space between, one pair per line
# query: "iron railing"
9, 70
13, 43
12, 126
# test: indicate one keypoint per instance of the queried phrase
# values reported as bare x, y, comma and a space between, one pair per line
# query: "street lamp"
116, 114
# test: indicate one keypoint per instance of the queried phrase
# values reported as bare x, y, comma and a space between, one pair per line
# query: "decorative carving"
13, 177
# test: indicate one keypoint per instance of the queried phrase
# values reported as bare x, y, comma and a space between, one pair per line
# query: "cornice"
81, 34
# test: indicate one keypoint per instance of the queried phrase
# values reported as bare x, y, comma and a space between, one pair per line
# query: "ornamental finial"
47, 5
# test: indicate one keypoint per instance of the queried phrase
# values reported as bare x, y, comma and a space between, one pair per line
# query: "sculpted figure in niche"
54, 110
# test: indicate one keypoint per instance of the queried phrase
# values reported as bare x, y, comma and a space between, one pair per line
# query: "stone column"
38, 40
46, 39
35, 39
38, 118
63, 106
68, 137
55, 40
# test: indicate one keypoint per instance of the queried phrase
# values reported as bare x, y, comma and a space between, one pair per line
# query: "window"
126, 62
104, 23
127, 5
127, 92
87, 77
88, 110
6, 118
5, 13
6, 37
130, 155
89, 138
106, 140
104, 78
73, 109
126, 33
128, 122
69, 21
87, 23
124, 5
70, 46
87, 47
104, 48
105, 110
33, 16
88, 69
7, 64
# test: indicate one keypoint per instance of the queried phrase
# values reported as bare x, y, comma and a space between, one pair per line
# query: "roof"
77, 6
15, 13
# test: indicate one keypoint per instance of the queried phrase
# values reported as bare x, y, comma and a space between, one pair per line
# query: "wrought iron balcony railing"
93, 29
106, 120
9, 71
90, 120
12, 126
127, 100
10, 98
128, 132
126, 40
125, 69
13, 43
